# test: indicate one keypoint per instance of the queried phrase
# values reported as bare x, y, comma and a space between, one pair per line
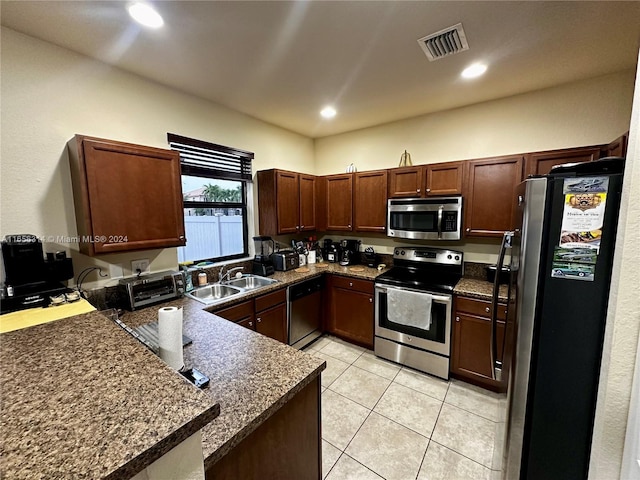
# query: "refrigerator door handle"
496, 366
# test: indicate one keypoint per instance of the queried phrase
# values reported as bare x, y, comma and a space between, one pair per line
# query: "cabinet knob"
428, 190
181, 237
297, 227
468, 230
351, 284
487, 309
418, 191
349, 226
251, 324
371, 300
258, 320
301, 227
457, 319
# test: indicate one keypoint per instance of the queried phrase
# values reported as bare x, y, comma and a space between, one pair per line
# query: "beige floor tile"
473, 399
342, 351
440, 463
348, 469
341, 419
361, 386
410, 408
389, 449
432, 386
465, 433
330, 455
320, 343
334, 369
369, 362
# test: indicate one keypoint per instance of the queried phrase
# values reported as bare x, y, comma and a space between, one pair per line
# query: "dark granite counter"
479, 288
82, 399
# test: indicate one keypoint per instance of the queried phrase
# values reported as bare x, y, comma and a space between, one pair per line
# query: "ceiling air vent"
449, 41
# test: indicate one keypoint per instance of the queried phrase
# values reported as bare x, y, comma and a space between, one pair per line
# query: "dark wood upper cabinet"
339, 202
406, 182
286, 202
489, 195
430, 180
127, 197
540, 163
370, 201
617, 148
443, 179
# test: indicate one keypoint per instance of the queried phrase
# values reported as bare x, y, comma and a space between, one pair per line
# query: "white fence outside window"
211, 237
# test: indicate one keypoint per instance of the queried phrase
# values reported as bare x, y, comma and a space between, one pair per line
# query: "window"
214, 193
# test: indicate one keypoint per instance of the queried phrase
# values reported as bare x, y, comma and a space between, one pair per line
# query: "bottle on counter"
202, 279
188, 279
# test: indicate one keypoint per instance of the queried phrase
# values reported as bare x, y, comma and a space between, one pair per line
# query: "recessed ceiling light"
145, 15
328, 112
474, 70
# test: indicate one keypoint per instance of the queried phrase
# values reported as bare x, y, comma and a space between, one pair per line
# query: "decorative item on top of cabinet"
540, 163
617, 148
338, 190
350, 306
370, 201
405, 160
470, 351
287, 202
127, 197
430, 180
489, 195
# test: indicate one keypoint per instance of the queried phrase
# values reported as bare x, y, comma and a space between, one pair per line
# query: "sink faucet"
222, 275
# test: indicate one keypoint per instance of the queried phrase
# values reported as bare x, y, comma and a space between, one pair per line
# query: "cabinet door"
443, 179
307, 203
470, 354
127, 197
350, 309
273, 322
618, 148
288, 202
540, 163
489, 195
247, 322
339, 198
237, 313
406, 182
370, 201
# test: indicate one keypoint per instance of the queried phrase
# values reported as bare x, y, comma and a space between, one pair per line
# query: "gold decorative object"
405, 160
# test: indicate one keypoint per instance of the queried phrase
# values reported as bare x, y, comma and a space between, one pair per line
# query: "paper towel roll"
170, 336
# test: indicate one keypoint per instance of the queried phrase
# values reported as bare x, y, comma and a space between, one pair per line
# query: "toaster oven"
285, 260
140, 291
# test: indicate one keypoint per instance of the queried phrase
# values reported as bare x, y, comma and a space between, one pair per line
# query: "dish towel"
409, 308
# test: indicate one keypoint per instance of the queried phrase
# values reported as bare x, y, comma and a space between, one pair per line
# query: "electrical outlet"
142, 265
115, 270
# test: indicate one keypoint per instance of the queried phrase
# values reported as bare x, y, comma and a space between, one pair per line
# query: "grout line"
423, 457
461, 454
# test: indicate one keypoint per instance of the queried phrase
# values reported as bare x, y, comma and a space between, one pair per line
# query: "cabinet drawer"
481, 308
271, 299
237, 312
364, 286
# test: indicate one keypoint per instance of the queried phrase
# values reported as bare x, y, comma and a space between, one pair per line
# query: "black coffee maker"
349, 252
262, 263
30, 281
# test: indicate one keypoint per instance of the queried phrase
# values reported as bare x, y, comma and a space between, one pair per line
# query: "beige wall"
622, 334
49, 94
589, 112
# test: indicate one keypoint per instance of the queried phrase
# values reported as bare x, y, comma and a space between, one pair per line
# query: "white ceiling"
283, 61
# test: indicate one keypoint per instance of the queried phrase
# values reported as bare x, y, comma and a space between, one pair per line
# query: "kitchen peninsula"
83, 399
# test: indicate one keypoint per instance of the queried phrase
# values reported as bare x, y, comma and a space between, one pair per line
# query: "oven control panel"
428, 255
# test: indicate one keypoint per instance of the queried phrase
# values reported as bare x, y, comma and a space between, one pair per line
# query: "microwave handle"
440, 209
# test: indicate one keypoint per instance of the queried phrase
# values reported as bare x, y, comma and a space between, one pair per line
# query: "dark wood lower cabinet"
286, 446
350, 313
273, 322
471, 350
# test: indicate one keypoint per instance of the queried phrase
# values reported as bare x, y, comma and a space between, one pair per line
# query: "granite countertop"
83, 399
479, 288
251, 375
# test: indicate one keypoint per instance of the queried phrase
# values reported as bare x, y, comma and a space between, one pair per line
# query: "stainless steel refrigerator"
561, 256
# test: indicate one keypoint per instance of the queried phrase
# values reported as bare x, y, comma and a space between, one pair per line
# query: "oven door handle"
446, 299
440, 209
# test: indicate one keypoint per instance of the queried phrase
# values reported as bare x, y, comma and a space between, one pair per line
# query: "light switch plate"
142, 265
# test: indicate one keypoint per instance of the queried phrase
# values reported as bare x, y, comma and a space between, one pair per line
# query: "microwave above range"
425, 218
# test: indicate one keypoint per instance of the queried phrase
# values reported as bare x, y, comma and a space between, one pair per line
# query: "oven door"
436, 339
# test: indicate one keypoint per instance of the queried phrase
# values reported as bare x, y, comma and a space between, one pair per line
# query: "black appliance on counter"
330, 251
30, 280
262, 262
350, 252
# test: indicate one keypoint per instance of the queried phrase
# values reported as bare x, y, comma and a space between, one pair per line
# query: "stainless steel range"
413, 308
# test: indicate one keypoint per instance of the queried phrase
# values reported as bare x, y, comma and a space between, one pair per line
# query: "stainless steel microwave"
425, 218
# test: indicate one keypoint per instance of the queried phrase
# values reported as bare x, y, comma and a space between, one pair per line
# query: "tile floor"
381, 420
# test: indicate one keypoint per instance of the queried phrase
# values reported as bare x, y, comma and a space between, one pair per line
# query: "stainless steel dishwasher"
305, 312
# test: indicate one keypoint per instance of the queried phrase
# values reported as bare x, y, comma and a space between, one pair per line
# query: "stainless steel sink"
250, 282
214, 293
